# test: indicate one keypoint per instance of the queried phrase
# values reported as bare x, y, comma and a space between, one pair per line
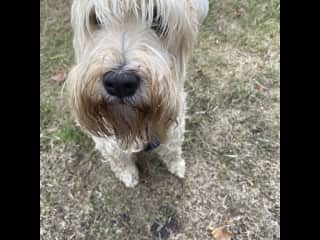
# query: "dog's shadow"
160, 191
151, 209
150, 166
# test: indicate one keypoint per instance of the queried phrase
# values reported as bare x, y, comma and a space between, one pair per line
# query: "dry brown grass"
231, 148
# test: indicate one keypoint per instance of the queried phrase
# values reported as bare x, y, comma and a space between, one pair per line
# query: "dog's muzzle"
121, 83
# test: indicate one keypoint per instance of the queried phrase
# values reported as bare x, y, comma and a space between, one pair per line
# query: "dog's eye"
157, 25
94, 20
97, 21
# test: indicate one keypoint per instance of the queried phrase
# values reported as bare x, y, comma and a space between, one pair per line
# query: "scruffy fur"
122, 33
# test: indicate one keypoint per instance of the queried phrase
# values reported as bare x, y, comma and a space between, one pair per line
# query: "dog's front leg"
171, 152
172, 158
121, 162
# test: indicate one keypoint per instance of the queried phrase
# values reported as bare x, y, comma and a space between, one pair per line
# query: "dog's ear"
202, 8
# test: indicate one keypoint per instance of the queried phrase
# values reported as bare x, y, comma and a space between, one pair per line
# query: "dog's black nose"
121, 84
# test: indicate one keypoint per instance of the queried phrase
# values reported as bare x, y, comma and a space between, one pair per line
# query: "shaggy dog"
127, 87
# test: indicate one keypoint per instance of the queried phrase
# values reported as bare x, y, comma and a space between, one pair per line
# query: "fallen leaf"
200, 73
227, 221
237, 13
250, 182
221, 234
58, 76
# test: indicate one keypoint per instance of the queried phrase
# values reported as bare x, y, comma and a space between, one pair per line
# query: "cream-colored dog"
127, 87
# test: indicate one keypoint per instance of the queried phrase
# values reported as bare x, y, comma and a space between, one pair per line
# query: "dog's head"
131, 61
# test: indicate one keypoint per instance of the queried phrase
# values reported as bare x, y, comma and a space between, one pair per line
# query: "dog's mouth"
125, 104
113, 101
134, 101
120, 101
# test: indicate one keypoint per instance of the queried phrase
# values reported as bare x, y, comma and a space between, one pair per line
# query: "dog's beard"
121, 118
149, 111
125, 119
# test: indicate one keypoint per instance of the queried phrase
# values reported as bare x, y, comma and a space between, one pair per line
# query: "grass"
231, 146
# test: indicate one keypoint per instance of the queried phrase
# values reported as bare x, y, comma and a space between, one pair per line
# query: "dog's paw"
130, 177
178, 168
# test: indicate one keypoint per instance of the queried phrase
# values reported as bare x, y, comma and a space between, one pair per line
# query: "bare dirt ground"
231, 147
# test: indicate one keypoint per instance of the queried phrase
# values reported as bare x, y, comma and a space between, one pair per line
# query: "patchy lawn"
231, 147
